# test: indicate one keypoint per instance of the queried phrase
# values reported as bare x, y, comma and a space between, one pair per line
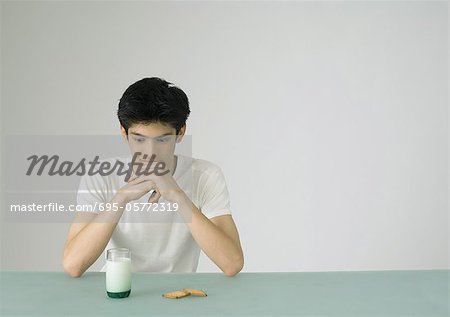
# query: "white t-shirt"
163, 246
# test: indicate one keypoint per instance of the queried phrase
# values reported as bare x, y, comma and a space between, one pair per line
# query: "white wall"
329, 119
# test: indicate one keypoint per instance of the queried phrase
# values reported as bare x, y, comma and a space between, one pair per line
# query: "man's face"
152, 139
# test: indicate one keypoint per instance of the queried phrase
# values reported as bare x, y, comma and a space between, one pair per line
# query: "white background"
329, 119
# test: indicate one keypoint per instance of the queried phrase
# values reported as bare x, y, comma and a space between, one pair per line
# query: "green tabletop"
377, 293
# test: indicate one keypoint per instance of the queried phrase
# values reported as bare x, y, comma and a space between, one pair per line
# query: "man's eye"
139, 140
162, 140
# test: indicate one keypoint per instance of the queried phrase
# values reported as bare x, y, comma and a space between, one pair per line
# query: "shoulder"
201, 166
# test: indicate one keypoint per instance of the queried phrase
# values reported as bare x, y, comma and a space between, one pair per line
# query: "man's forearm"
217, 245
85, 248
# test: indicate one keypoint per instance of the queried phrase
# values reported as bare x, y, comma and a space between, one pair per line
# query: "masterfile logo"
69, 168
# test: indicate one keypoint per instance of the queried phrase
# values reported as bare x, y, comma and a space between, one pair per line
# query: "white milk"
118, 275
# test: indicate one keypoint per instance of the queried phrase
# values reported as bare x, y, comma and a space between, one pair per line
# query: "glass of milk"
118, 272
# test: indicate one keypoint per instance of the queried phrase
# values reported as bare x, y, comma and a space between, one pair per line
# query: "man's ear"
181, 134
124, 133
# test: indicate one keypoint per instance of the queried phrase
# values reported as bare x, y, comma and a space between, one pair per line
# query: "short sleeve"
91, 193
215, 199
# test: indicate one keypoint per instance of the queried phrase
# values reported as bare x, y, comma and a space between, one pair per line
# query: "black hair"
152, 100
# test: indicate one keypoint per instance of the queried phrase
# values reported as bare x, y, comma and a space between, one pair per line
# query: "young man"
153, 114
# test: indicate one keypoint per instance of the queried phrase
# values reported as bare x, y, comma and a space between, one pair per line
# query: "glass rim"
118, 249
115, 254
118, 252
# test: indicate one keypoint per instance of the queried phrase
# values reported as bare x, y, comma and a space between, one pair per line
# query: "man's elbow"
234, 268
71, 269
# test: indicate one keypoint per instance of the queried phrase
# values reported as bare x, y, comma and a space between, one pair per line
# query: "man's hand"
164, 186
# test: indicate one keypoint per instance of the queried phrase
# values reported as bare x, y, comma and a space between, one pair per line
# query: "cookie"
176, 294
195, 292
